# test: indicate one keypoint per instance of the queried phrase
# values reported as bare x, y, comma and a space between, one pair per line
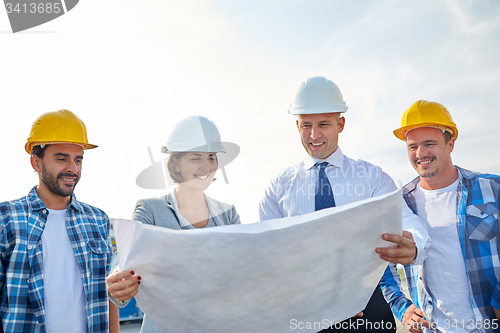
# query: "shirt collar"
34, 200
182, 221
334, 159
36, 203
411, 186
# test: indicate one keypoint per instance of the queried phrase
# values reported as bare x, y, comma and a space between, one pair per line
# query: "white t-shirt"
65, 306
444, 268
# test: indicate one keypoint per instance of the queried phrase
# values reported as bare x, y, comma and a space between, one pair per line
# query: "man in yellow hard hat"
457, 289
327, 178
55, 250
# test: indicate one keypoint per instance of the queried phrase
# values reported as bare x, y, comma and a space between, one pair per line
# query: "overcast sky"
130, 69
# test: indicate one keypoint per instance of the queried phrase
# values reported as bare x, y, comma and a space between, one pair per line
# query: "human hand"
123, 285
360, 314
413, 319
405, 251
497, 313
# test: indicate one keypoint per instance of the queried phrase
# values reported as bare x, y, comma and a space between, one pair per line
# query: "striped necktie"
324, 194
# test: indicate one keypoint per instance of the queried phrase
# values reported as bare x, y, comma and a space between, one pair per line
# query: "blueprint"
307, 271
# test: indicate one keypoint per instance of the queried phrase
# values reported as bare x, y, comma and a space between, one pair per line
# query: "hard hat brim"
153, 176
29, 145
231, 151
400, 133
340, 109
218, 147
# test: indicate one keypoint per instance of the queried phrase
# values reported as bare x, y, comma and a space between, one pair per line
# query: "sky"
130, 69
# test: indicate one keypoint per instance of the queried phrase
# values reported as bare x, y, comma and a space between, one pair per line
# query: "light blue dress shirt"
292, 192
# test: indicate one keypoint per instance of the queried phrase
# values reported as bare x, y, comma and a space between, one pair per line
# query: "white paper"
314, 269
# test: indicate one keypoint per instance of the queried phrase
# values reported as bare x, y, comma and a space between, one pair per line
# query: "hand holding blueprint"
262, 277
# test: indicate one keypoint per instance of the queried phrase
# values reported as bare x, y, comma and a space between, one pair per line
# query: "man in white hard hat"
55, 250
318, 106
457, 289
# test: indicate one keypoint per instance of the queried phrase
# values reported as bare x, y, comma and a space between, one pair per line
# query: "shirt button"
45, 211
41, 224
30, 247
99, 249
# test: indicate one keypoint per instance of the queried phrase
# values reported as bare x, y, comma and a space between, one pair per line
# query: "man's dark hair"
447, 136
39, 151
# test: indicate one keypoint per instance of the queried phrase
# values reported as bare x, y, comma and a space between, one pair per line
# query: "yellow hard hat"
61, 126
426, 114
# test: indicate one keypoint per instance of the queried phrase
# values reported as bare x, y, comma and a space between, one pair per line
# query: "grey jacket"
161, 212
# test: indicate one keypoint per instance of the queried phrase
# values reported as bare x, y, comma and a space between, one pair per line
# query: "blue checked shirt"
21, 269
477, 223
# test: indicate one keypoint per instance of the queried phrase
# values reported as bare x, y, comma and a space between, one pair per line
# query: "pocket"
98, 255
482, 221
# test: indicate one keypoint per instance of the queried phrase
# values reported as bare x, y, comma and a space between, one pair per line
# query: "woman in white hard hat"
193, 146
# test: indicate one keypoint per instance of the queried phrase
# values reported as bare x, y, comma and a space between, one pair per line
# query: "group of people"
58, 272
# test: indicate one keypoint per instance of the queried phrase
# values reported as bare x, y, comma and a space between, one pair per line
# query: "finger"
397, 239
407, 235
122, 292
413, 327
119, 276
417, 323
397, 260
419, 312
396, 255
408, 325
406, 240
412, 330
122, 284
126, 294
399, 252
423, 322
394, 260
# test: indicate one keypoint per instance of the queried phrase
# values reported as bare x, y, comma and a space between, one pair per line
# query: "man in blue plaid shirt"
457, 288
55, 250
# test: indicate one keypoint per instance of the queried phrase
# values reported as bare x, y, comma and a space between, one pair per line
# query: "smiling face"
197, 169
320, 133
430, 156
60, 169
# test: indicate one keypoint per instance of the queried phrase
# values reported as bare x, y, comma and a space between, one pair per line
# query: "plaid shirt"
477, 224
21, 269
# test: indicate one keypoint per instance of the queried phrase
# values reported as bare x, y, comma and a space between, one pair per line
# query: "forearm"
115, 265
414, 224
393, 294
114, 318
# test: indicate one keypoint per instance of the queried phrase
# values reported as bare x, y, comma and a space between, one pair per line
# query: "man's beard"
52, 182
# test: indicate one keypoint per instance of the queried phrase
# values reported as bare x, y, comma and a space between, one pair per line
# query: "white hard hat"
190, 134
194, 133
318, 95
